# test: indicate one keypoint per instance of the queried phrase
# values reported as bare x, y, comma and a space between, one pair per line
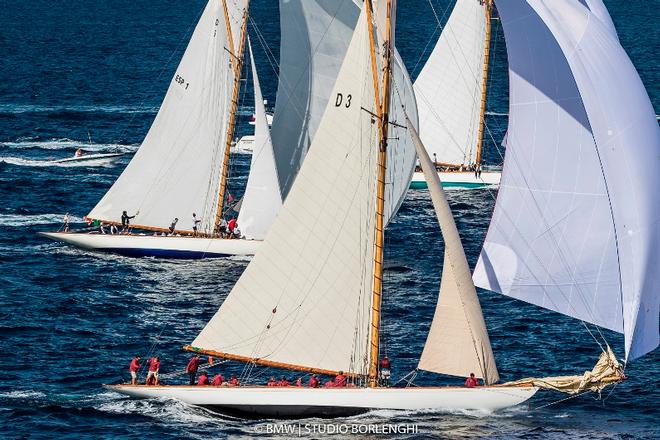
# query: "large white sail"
305, 298
176, 170
449, 87
262, 199
458, 342
315, 37
599, 10
576, 226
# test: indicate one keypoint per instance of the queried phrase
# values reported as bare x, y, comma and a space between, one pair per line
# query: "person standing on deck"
66, 222
126, 220
340, 380
195, 222
192, 367
133, 368
233, 381
271, 382
173, 225
385, 373
152, 374
471, 381
230, 226
314, 381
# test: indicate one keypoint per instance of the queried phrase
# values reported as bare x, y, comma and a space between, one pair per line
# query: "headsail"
315, 37
458, 342
576, 226
176, 170
304, 299
262, 199
449, 87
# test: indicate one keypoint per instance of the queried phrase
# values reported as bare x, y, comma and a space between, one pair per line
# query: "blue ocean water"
92, 75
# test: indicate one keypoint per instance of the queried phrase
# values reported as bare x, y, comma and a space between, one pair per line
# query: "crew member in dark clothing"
192, 367
173, 225
126, 220
384, 367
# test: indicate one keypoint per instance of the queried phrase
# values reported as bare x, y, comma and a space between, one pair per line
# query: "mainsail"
315, 37
176, 171
304, 300
262, 199
458, 342
576, 226
449, 87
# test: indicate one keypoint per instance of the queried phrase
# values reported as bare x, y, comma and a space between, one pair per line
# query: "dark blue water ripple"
91, 75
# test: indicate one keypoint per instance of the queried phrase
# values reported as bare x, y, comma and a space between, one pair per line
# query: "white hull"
315, 402
465, 179
245, 145
157, 246
91, 158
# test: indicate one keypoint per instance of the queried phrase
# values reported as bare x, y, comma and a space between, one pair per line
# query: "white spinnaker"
176, 170
262, 199
449, 87
458, 342
599, 10
315, 37
305, 298
576, 226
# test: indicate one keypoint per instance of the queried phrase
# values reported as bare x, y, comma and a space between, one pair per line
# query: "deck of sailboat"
260, 401
163, 246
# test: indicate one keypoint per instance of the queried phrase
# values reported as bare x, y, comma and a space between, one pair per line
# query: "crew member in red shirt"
299, 382
134, 368
217, 380
271, 382
385, 373
283, 382
314, 381
154, 367
471, 381
231, 225
233, 381
340, 380
203, 379
192, 367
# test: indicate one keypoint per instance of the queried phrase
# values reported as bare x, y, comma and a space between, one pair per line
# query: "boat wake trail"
68, 144
19, 161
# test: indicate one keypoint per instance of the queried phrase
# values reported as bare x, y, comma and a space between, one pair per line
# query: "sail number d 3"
340, 99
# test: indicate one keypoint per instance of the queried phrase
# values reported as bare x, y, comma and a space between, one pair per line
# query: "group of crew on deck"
449, 168
226, 229
193, 367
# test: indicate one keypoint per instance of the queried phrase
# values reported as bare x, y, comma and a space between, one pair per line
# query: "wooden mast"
380, 195
488, 4
237, 65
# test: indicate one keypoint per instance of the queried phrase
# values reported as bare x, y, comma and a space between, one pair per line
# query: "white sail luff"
262, 199
449, 87
458, 342
176, 170
305, 297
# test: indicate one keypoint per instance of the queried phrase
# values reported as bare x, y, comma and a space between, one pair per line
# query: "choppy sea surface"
92, 75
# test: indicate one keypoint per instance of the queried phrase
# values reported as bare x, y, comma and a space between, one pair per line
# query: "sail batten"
458, 322
176, 170
575, 226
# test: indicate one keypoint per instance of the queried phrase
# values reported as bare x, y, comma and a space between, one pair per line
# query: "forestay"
449, 87
458, 342
315, 37
262, 199
576, 226
176, 170
305, 297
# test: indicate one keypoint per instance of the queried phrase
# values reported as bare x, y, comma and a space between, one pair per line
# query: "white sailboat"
310, 300
182, 167
451, 95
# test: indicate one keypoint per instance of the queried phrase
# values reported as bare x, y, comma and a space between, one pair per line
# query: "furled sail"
262, 199
176, 170
576, 226
457, 343
315, 37
449, 87
305, 298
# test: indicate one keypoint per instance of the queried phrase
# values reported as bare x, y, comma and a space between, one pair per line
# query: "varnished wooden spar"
376, 298
237, 64
488, 4
266, 362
